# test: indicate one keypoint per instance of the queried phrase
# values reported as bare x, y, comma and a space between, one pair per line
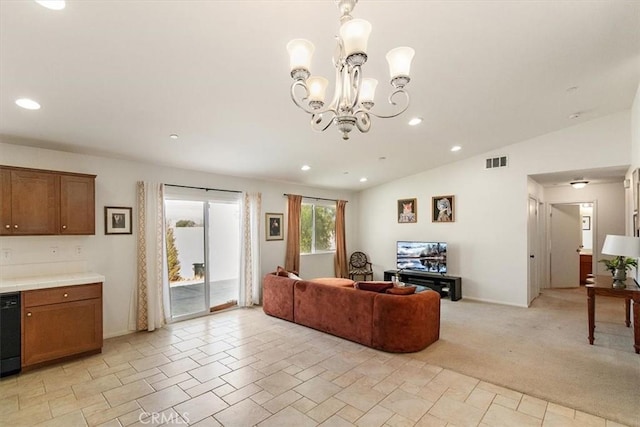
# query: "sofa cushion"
373, 286
402, 290
334, 281
280, 271
340, 311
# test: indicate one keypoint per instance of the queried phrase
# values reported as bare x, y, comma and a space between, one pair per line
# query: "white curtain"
250, 264
151, 295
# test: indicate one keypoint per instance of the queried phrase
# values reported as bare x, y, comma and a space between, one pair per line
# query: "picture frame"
274, 226
586, 222
443, 208
117, 220
407, 211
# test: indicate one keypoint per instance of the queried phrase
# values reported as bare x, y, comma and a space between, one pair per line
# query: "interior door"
566, 238
532, 237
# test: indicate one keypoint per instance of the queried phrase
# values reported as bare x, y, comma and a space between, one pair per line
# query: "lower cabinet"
61, 322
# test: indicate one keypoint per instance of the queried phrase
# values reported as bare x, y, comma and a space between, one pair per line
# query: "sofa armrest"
277, 296
406, 323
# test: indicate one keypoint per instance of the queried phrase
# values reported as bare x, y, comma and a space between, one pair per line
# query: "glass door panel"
186, 249
224, 253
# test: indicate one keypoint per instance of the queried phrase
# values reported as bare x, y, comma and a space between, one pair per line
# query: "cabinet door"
34, 202
5, 202
58, 330
77, 205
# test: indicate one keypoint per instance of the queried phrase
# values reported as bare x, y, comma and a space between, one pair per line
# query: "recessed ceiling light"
415, 121
456, 148
574, 116
363, 179
28, 104
173, 136
305, 167
52, 4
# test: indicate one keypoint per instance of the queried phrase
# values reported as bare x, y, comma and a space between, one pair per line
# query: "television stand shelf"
446, 286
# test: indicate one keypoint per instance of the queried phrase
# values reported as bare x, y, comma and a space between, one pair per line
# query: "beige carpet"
543, 351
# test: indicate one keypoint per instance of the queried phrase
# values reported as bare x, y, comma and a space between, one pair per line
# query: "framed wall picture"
275, 228
443, 209
586, 222
407, 210
117, 220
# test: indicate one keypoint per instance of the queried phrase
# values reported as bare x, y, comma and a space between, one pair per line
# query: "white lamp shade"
300, 53
317, 88
628, 246
399, 60
368, 89
355, 36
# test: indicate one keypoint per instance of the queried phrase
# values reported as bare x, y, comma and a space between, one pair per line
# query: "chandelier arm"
355, 80
317, 119
392, 102
363, 121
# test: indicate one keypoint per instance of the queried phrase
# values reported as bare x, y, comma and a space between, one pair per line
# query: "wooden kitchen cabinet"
38, 202
58, 323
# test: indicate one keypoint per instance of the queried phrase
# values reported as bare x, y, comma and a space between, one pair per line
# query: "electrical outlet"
78, 250
6, 255
54, 251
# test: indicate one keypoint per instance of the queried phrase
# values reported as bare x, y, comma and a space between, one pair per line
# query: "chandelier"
353, 98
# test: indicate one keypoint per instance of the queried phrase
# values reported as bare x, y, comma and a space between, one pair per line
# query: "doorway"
203, 254
571, 242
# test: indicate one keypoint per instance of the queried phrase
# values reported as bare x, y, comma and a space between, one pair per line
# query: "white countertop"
41, 282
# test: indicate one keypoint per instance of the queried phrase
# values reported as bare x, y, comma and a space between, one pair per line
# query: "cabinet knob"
29, 314
65, 295
15, 226
7, 226
64, 227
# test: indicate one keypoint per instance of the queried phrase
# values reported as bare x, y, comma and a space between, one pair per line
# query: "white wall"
488, 240
114, 256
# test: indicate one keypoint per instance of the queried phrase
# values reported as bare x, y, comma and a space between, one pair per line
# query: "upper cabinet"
39, 202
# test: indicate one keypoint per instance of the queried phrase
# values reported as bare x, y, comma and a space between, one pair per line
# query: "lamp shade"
300, 53
317, 88
399, 60
628, 246
355, 36
368, 89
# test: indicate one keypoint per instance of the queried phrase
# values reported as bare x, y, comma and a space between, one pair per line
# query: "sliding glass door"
203, 252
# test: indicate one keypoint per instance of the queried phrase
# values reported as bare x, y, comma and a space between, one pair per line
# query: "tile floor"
243, 368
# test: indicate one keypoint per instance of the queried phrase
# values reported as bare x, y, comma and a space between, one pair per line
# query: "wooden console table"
603, 286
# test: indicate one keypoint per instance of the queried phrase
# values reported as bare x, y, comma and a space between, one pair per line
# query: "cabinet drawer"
61, 294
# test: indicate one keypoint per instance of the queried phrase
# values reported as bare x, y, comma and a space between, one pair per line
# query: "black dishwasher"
9, 333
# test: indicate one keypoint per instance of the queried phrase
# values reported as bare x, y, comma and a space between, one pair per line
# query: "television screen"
430, 257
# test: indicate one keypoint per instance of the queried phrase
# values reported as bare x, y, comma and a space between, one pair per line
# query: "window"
317, 228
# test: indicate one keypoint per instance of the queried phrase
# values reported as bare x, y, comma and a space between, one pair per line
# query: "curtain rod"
203, 188
315, 198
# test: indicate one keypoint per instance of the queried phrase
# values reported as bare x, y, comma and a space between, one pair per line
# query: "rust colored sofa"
393, 323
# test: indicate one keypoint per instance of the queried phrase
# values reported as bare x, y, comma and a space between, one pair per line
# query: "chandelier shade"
354, 94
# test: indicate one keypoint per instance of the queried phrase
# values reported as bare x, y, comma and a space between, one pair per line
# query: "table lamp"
622, 247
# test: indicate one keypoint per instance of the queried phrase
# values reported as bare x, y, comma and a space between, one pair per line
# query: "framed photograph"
407, 210
275, 227
586, 222
443, 209
117, 220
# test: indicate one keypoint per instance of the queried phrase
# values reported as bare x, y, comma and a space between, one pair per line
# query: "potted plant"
613, 264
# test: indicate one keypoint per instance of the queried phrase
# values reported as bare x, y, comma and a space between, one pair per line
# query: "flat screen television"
430, 257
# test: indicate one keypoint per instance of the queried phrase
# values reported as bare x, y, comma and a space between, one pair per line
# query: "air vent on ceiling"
496, 162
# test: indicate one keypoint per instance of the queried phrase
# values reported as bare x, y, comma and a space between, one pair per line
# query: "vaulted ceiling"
117, 78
